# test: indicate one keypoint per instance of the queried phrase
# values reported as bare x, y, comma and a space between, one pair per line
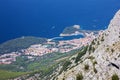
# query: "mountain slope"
102, 58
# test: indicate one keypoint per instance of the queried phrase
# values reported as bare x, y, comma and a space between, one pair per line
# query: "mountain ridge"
102, 59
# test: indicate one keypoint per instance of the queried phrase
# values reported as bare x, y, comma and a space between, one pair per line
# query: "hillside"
98, 61
35, 68
19, 43
4, 75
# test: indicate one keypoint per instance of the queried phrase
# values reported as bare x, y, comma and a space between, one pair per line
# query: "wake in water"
66, 38
55, 38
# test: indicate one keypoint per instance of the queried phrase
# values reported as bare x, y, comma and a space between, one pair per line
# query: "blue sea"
48, 18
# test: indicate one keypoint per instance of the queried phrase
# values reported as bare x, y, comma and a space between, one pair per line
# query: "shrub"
91, 49
113, 44
107, 49
63, 78
102, 39
73, 58
65, 65
112, 50
79, 77
95, 62
115, 77
80, 54
95, 70
86, 67
93, 43
91, 57
98, 43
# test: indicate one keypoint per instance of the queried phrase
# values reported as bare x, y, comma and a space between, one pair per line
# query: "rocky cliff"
101, 59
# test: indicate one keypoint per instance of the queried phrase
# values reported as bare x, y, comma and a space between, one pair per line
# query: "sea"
48, 18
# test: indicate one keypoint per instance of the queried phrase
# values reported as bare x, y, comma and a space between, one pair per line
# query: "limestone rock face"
102, 59
113, 31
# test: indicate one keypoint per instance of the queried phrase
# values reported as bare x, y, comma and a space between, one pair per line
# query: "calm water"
47, 18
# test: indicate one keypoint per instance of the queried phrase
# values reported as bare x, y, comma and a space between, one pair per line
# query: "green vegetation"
73, 58
115, 77
98, 43
107, 49
67, 62
10, 67
79, 77
19, 43
102, 39
69, 30
65, 65
112, 50
91, 57
81, 53
93, 42
91, 49
113, 44
95, 70
86, 67
95, 62
4, 75
49, 60
43, 65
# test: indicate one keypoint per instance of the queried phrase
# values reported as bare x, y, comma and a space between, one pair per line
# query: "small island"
76, 30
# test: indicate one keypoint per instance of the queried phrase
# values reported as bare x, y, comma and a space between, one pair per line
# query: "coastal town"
8, 58
62, 46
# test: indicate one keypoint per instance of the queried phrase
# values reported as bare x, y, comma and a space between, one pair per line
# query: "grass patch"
4, 75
